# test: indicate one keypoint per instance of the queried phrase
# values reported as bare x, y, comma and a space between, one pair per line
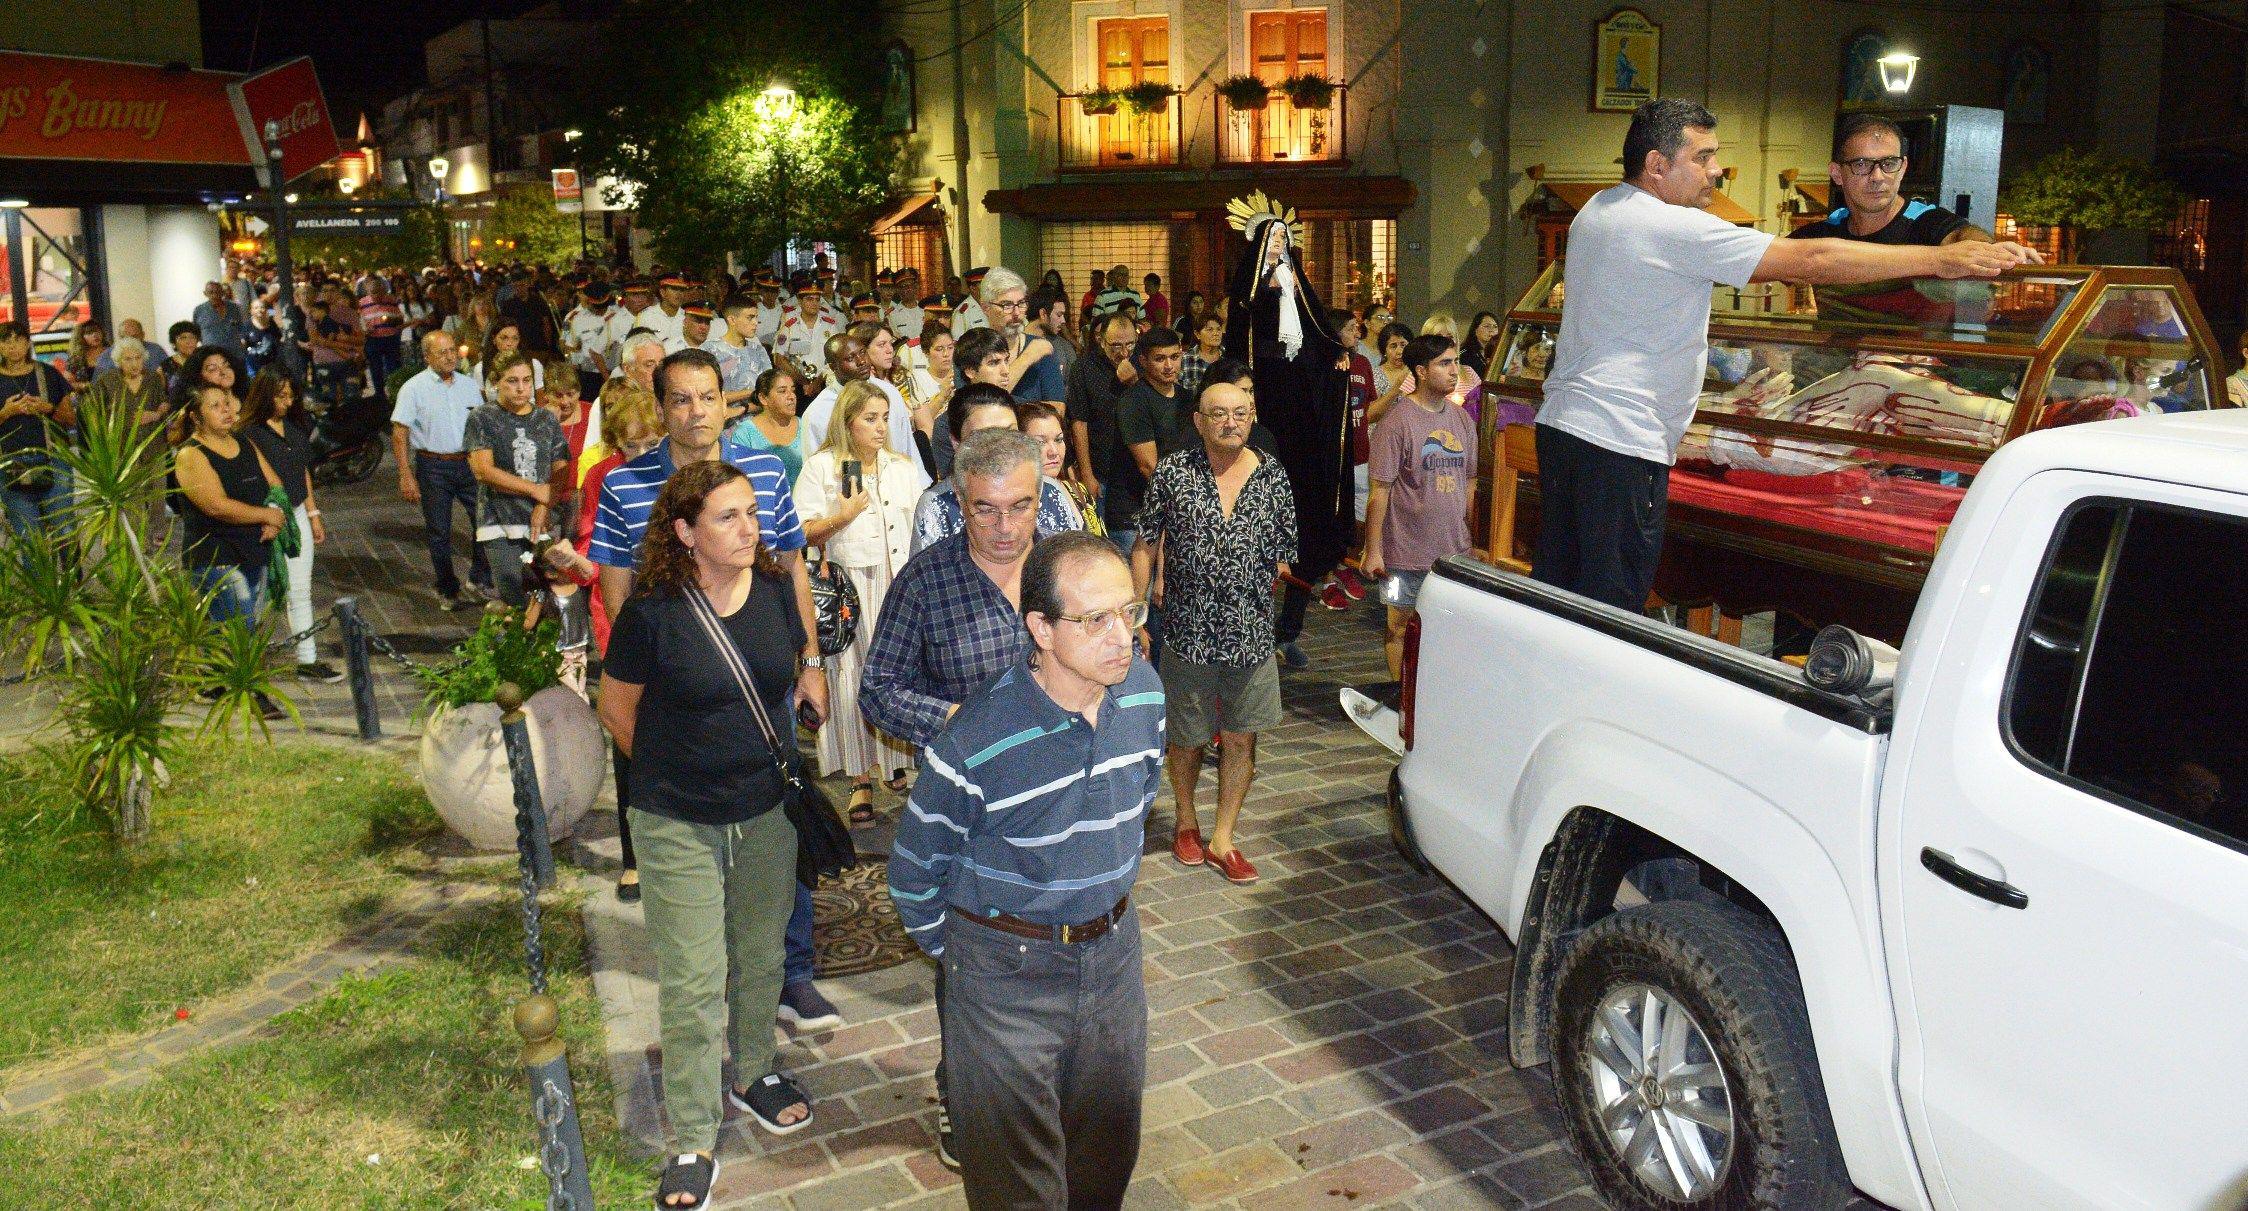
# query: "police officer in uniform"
803, 335
967, 311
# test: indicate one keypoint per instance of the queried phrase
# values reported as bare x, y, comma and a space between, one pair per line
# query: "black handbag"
823, 843
835, 604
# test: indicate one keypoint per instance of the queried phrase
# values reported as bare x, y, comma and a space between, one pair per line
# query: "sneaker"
454, 603
326, 674
807, 1011
209, 693
944, 1137
269, 710
1353, 586
1293, 655
1332, 596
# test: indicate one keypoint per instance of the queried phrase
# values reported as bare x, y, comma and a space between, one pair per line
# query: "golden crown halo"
1245, 213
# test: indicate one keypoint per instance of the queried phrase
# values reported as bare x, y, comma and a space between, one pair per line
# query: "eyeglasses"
1221, 415
1863, 166
987, 515
1132, 613
1017, 305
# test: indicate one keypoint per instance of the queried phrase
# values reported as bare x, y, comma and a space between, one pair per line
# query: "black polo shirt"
1918, 223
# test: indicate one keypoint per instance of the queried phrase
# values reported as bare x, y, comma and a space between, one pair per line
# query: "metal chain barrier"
291, 641
382, 645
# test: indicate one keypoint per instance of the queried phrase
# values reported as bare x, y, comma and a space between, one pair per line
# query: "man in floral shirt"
1222, 519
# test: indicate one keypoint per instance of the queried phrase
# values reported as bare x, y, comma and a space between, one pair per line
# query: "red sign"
566, 185
54, 107
289, 97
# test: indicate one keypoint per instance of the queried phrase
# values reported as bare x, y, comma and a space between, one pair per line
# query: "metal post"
536, 848
279, 184
780, 161
356, 663
554, 1106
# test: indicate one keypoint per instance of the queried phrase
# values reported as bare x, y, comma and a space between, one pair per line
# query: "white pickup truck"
1973, 937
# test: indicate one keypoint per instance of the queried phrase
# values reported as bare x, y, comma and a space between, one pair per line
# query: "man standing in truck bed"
1643, 257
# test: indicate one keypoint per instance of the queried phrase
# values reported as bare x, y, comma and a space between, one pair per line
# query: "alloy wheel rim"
1660, 1095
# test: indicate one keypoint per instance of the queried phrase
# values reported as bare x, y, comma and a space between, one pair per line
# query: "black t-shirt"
1918, 223
28, 431
290, 454
697, 753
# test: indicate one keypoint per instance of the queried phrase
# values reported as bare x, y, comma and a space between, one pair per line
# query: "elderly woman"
139, 387
857, 496
710, 611
772, 422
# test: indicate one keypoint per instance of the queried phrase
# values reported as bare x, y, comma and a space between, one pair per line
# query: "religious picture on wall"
1626, 61
2029, 78
898, 109
1861, 71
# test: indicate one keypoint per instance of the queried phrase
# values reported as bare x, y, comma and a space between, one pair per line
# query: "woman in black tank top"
223, 482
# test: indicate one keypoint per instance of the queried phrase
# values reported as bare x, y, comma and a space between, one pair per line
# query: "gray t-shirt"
524, 446
1427, 459
1635, 330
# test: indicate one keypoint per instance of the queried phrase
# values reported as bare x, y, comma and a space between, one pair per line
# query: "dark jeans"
1046, 1052
445, 482
1289, 627
384, 356
504, 556
1600, 520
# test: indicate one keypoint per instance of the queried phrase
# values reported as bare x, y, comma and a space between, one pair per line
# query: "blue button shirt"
1026, 809
435, 412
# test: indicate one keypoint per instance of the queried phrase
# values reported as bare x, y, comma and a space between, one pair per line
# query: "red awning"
903, 211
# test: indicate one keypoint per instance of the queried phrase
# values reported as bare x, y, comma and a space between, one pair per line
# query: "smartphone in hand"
853, 477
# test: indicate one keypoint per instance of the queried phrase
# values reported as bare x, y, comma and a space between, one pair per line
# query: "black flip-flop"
766, 1099
689, 1173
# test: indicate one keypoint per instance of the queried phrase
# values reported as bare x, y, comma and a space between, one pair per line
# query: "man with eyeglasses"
1013, 868
1222, 518
951, 622
1868, 172
1100, 374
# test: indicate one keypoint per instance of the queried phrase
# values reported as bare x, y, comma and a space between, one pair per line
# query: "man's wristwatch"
811, 662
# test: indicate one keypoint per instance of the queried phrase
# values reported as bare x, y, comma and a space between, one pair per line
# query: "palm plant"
121, 632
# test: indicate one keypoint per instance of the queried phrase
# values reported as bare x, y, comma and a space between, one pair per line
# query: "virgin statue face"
1275, 242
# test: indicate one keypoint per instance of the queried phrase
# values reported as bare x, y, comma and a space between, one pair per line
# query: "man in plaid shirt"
952, 620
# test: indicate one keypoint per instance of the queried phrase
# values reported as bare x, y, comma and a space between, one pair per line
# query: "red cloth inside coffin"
1851, 503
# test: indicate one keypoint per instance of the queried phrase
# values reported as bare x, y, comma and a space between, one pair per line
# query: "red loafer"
1233, 865
1186, 846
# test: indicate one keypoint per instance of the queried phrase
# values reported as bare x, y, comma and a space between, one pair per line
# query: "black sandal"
765, 1100
898, 784
691, 1174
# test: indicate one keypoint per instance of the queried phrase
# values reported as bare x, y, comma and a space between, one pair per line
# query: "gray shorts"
1203, 699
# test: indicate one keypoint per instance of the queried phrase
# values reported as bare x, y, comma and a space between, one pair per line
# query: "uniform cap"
936, 302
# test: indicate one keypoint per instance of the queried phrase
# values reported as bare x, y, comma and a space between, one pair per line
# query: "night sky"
366, 52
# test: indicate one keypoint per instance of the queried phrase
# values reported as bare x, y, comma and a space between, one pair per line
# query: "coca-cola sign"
289, 98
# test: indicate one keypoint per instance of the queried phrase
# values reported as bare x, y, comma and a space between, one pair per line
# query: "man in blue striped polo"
1013, 868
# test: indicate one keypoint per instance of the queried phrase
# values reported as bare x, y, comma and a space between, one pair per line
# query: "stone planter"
464, 766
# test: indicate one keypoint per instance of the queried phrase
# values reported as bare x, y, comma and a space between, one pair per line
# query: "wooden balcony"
1283, 133
1118, 138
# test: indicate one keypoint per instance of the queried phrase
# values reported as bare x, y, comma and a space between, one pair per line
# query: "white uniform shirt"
970, 314
584, 334
806, 344
621, 323
1635, 335
905, 321
666, 326
769, 322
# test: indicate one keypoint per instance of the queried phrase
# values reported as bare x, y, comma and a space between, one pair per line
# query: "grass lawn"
259, 855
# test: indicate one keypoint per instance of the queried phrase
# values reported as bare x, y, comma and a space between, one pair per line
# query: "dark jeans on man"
1046, 1052
445, 482
504, 556
1289, 627
384, 355
1600, 520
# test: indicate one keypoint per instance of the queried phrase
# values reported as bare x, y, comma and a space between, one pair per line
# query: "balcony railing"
1283, 132
1122, 138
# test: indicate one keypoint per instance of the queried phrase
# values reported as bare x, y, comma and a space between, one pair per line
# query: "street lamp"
577, 165
438, 167
345, 186
1897, 69
277, 184
777, 105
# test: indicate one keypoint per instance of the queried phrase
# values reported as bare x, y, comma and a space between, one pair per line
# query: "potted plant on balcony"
1146, 97
1099, 102
1309, 92
1245, 94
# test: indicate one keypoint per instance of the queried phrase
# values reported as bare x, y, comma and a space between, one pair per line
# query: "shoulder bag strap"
732, 658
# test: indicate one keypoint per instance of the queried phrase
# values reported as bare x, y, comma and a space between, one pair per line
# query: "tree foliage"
2092, 191
523, 225
708, 165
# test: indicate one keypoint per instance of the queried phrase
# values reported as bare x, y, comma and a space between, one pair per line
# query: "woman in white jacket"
856, 497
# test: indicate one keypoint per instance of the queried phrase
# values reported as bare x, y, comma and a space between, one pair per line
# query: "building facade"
1432, 169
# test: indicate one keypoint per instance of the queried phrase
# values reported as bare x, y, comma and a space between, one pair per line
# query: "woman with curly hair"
717, 854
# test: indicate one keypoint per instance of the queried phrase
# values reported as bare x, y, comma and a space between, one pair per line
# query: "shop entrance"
48, 270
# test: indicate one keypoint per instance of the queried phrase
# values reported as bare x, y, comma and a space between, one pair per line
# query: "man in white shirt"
968, 312
585, 336
804, 334
865, 351
905, 305
935, 315
770, 312
695, 321
1643, 257
639, 297
428, 437
664, 319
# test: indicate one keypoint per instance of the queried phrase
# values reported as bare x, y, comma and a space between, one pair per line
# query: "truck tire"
1725, 1109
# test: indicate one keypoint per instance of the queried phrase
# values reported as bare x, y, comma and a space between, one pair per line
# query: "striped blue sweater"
1024, 808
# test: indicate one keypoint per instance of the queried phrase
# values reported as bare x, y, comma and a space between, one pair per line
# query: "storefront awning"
915, 209
1125, 197
1572, 195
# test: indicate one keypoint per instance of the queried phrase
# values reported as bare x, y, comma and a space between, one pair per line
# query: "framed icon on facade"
2029, 81
1861, 70
1627, 52
900, 108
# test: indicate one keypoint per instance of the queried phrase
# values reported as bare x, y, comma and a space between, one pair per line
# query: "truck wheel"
1684, 1060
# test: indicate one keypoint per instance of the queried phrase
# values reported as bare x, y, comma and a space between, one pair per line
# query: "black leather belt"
1064, 934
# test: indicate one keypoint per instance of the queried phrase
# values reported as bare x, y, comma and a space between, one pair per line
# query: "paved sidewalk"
1332, 1036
